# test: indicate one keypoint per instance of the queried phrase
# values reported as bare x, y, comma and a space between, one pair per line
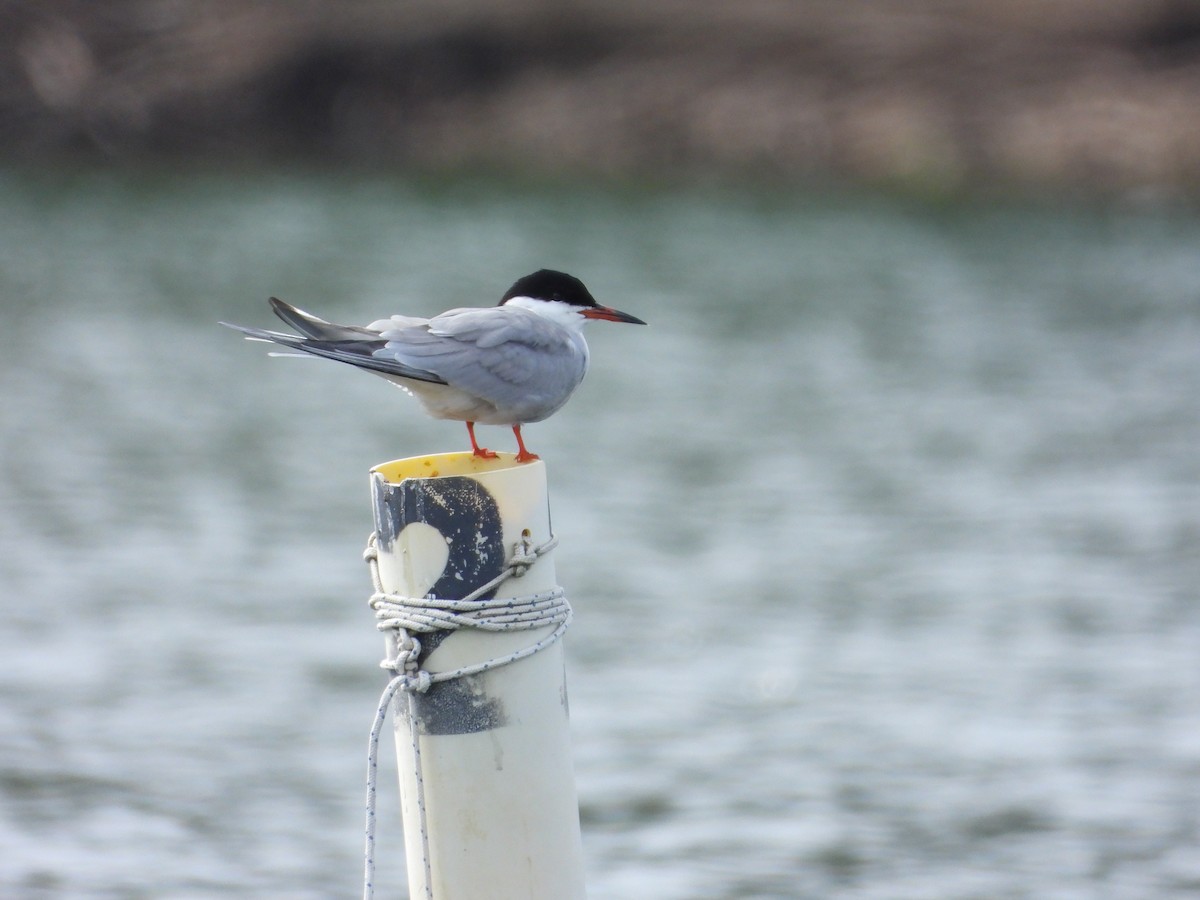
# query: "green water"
883, 538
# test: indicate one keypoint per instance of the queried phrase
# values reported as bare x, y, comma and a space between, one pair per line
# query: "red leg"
524, 455
481, 452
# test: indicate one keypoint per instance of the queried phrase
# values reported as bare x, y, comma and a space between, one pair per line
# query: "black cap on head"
547, 284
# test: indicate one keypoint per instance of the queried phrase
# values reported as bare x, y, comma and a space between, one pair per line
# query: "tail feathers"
260, 334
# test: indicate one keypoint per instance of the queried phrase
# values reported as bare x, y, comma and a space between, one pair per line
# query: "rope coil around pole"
404, 616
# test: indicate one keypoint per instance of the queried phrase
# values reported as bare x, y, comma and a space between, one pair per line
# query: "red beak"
608, 314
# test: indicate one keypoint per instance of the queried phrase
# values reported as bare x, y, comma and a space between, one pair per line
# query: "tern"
509, 364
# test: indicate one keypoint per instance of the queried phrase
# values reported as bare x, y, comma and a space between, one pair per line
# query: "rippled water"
883, 539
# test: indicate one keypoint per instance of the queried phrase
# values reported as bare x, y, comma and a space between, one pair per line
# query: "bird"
510, 364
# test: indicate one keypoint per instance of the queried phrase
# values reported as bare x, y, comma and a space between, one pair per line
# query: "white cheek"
559, 313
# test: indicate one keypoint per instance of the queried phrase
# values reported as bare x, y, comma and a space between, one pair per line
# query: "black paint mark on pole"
468, 518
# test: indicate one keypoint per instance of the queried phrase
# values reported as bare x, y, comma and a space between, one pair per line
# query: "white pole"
488, 754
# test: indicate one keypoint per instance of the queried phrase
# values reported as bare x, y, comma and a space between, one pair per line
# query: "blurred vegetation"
1089, 94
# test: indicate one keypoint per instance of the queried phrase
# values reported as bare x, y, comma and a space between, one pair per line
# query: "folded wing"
513, 358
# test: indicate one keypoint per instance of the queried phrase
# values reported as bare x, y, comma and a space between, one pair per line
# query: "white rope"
402, 616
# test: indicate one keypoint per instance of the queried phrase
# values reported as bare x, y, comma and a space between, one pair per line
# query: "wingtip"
299, 319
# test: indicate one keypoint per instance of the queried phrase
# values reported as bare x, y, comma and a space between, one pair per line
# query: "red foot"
481, 452
523, 455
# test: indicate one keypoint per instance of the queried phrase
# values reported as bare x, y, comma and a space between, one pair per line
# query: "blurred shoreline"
1100, 96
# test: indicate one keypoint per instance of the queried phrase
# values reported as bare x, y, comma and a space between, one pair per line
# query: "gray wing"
513, 358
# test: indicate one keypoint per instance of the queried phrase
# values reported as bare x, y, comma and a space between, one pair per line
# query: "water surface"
883, 539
